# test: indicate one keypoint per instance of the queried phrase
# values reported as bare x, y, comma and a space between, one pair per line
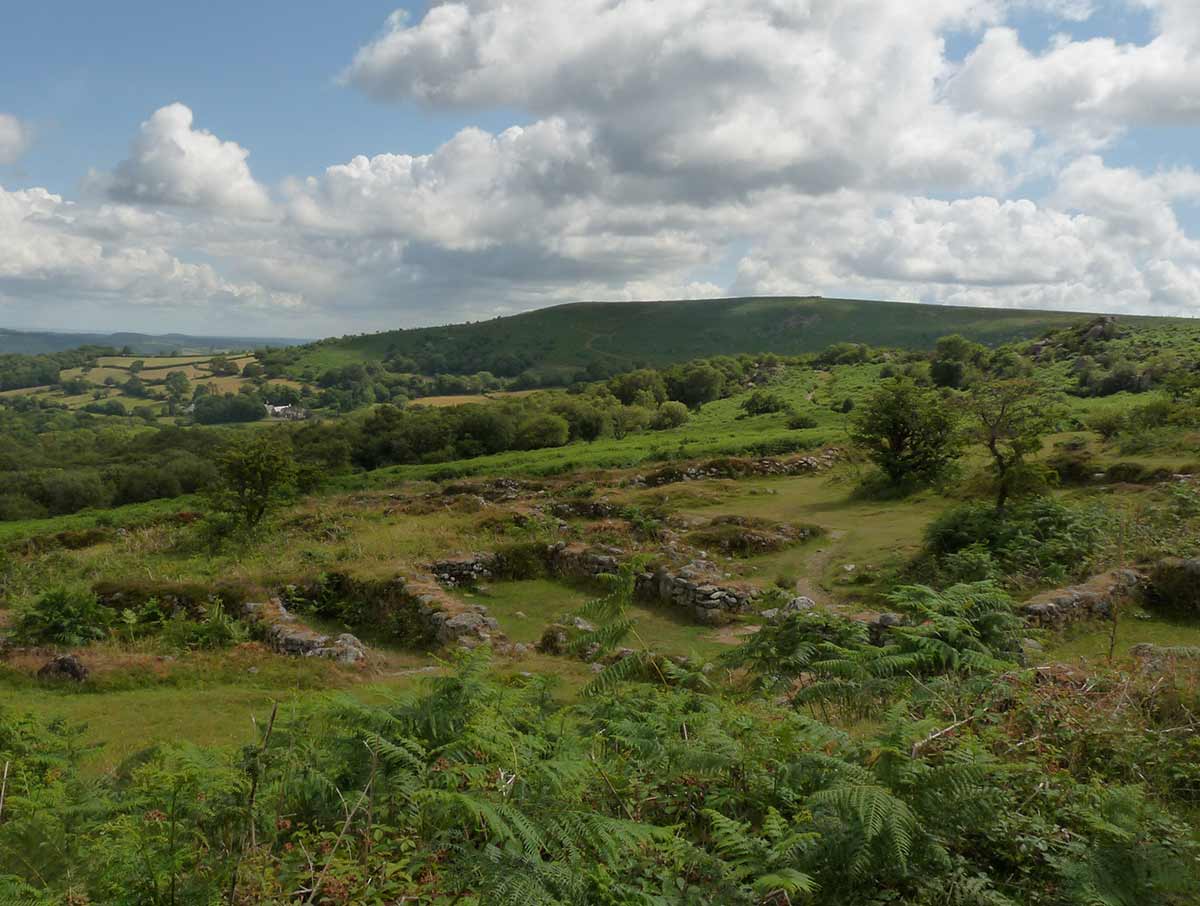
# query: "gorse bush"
63, 616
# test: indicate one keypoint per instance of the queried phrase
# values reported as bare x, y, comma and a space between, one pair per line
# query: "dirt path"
809, 584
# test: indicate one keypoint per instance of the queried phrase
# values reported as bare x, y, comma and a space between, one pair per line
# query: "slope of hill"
611, 336
37, 342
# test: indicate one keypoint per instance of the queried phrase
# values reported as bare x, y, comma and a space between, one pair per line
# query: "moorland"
753, 601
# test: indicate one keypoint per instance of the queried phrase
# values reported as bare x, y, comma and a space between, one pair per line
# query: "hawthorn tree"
1010, 418
178, 389
253, 475
908, 431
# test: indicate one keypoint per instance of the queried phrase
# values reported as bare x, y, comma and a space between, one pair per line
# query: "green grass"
525, 608
117, 517
1089, 642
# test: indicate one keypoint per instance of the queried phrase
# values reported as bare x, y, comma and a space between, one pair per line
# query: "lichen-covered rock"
467, 628
64, 667
1174, 587
555, 639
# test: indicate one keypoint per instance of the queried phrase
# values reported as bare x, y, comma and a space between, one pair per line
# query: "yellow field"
97, 375
124, 361
158, 363
440, 402
155, 373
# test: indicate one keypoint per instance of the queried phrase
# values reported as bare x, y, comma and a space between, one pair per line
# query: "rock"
1175, 587
772, 615
798, 604
879, 627
554, 640
582, 625
520, 615
63, 667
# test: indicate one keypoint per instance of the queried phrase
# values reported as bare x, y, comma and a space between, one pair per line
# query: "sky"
308, 169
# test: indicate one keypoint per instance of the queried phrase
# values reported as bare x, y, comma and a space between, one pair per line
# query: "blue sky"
339, 167
263, 73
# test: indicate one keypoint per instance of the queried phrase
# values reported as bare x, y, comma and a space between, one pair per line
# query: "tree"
763, 402
178, 388
627, 419
543, 431
626, 387
697, 385
135, 386
221, 366
670, 415
217, 409
1009, 419
953, 359
909, 432
135, 367
253, 475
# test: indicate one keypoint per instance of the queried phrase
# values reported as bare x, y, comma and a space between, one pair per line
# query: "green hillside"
41, 342
617, 335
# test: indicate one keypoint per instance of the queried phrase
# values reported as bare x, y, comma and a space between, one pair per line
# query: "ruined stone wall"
1095, 599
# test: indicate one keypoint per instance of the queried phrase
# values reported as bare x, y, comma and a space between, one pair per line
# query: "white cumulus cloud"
172, 163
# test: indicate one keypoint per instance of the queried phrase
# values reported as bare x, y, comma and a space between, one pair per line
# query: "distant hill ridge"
611, 336
38, 342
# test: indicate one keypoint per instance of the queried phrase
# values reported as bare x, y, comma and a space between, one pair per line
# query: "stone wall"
460, 571
699, 588
286, 634
1095, 599
739, 467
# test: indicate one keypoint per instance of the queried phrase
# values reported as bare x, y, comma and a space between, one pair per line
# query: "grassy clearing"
1089, 643
525, 608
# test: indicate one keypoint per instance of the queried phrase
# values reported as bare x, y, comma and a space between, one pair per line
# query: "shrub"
1108, 424
762, 402
801, 421
1175, 588
543, 431
217, 630
63, 616
1133, 473
1072, 466
671, 414
520, 561
1035, 539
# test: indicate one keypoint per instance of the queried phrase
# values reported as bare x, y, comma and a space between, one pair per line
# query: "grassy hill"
622, 334
38, 342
